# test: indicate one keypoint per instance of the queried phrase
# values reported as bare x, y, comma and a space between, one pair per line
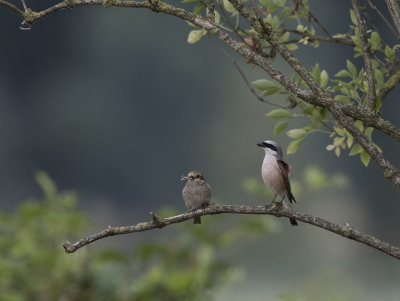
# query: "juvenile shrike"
275, 173
196, 193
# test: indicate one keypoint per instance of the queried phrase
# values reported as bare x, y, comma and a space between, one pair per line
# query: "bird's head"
271, 148
194, 176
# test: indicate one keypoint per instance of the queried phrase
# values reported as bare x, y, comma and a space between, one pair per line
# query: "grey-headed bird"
275, 173
196, 193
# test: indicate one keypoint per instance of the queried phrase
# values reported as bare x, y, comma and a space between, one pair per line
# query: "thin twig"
344, 230
320, 25
390, 87
24, 5
232, 60
297, 4
394, 11
210, 10
12, 7
226, 18
365, 48
383, 18
372, 22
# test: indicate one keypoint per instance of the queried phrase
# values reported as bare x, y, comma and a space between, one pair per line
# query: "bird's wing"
285, 171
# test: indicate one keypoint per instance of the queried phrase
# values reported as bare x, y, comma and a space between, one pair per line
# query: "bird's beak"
261, 144
184, 178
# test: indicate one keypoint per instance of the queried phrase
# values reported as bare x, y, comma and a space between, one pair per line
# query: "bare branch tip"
68, 247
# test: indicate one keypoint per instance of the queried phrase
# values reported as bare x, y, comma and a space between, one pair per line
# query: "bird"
196, 193
275, 173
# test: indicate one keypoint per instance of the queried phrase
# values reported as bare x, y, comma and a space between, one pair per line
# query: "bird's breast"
272, 176
196, 195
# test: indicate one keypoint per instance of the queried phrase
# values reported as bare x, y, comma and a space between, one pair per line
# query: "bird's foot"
192, 210
275, 204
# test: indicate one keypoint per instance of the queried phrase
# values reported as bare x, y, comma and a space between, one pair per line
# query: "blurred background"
115, 105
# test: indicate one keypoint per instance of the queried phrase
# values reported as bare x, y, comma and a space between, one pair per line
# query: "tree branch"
311, 38
12, 7
344, 230
394, 11
365, 48
372, 120
383, 18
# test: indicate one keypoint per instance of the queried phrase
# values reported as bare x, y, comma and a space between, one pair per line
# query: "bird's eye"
198, 176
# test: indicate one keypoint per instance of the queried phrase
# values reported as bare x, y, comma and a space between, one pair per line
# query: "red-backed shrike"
275, 173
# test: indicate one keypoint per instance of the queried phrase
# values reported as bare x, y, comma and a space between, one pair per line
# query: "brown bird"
196, 193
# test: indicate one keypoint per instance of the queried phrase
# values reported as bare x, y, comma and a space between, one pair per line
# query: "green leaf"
279, 113
280, 126
359, 125
284, 37
199, 7
343, 98
343, 73
263, 84
350, 140
229, 7
330, 147
340, 131
378, 147
316, 73
339, 36
324, 78
296, 133
389, 52
294, 146
368, 132
352, 69
357, 41
365, 158
353, 17
375, 40
356, 149
195, 35
217, 17
378, 76
292, 46
337, 151
271, 91
354, 94
338, 141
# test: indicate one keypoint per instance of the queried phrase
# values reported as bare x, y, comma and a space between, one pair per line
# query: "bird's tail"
197, 220
288, 206
293, 221
291, 197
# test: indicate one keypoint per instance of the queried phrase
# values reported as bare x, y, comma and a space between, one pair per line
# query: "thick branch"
366, 55
157, 222
372, 120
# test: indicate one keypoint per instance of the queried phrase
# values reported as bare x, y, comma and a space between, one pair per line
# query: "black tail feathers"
197, 220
